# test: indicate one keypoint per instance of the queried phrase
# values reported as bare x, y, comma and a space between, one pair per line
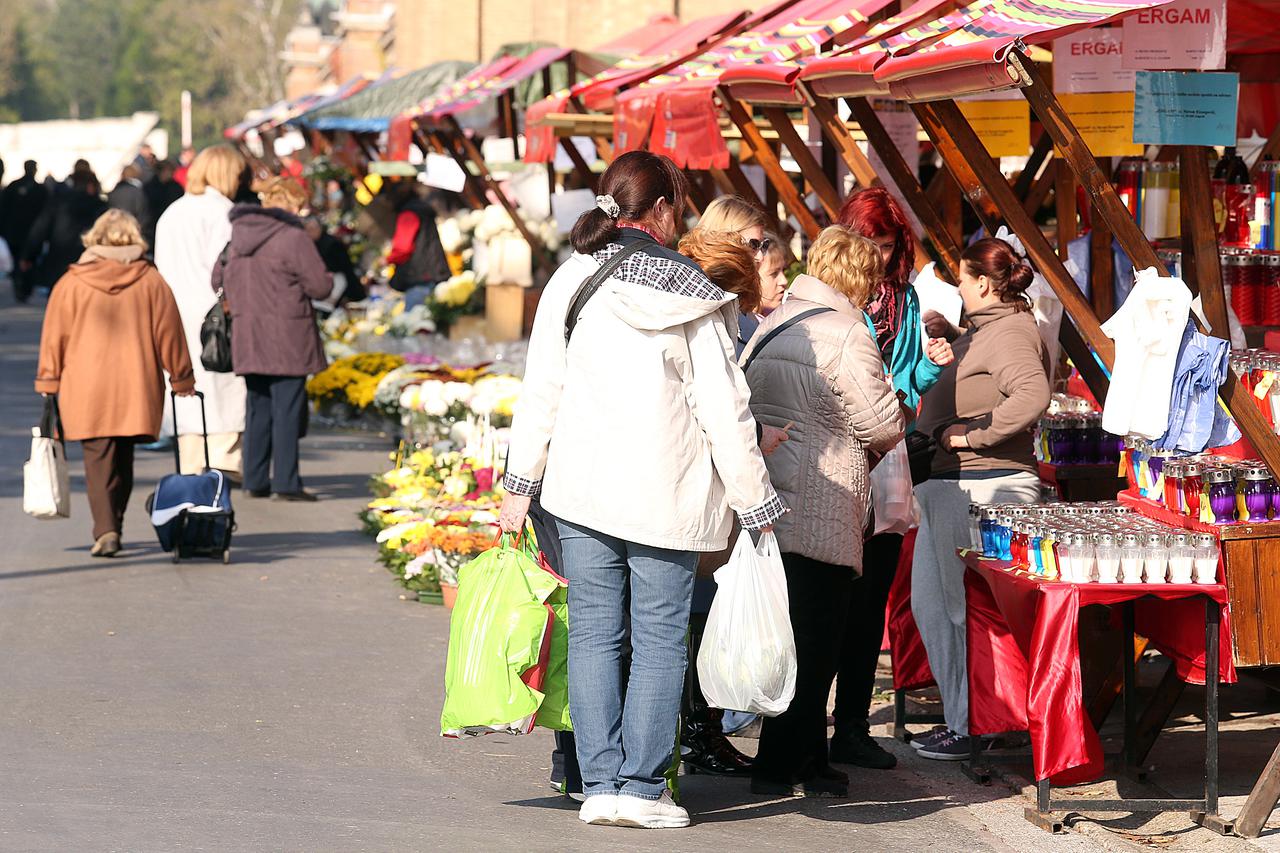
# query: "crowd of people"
688, 394
691, 396
131, 279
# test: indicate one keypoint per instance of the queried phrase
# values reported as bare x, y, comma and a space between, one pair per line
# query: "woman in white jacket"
189, 237
635, 434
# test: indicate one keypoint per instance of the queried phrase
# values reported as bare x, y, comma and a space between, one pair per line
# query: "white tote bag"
891, 495
748, 657
46, 486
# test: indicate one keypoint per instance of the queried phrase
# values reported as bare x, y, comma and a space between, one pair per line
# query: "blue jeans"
625, 747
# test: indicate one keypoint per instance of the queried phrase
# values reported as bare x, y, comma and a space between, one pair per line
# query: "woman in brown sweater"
981, 412
110, 329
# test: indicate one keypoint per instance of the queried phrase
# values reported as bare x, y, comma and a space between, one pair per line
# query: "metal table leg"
1209, 817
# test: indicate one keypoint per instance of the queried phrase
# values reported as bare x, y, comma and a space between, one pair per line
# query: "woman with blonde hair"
734, 215
814, 363
189, 237
270, 273
111, 309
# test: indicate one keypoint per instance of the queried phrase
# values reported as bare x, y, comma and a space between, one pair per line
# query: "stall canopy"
676, 112
282, 112
640, 41
597, 92
497, 84
371, 110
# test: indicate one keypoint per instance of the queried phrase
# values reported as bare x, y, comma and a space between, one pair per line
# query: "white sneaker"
599, 810
661, 813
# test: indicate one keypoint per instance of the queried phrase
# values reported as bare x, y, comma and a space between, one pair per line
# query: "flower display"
457, 291
353, 379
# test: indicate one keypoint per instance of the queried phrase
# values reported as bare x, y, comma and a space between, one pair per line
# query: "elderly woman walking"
110, 329
189, 237
814, 363
270, 274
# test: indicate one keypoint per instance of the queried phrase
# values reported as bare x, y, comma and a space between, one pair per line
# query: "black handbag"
215, 331
215, 339
920, 451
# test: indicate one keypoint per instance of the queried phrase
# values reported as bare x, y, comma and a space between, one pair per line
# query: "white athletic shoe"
661, 813
599, 810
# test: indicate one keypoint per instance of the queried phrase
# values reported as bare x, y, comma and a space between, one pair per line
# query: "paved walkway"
290, 701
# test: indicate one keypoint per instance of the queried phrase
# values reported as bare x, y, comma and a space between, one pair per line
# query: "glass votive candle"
1155, 556
1220, 489
1106, 557
1172, 491
1206, 558
1132, 558
1082, 557
1192, 485
1254, 490
1004, 537
1181, 559
975, 528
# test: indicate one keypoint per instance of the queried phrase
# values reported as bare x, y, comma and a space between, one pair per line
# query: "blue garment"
747, 325
913, 372
625, 747
1196, 420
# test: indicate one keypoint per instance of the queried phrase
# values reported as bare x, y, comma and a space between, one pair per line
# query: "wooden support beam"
1064, 202
992, 199
472, 187
1239, 402
580, 167
1262, 800
477, 159
723, 182
838, 133
809, 166
1102, 266
1200, 238
1039, 153
768, 160
904, 176
1157, 712
1035, 197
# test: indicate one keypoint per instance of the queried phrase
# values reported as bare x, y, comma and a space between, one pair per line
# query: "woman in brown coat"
110, 329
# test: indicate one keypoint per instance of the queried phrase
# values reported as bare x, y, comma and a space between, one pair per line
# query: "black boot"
855, 745
704, 747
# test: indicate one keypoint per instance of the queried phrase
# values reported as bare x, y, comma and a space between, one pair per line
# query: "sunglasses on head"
760, 246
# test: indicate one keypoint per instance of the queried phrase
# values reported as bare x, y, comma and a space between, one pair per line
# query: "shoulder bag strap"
589, 287
51, 420
773, 333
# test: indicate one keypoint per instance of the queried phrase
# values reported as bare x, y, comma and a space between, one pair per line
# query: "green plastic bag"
554, 713
500, 630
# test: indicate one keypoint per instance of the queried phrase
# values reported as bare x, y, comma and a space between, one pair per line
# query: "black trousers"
108, 479
793, 745
274, 422
864, 631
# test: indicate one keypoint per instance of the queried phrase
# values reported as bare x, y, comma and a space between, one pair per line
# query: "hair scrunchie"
609, 206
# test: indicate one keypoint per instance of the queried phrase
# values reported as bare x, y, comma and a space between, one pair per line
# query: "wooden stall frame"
477, 159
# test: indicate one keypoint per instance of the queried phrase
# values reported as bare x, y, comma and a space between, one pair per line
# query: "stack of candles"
1070, 433
1210, 489
1092, 543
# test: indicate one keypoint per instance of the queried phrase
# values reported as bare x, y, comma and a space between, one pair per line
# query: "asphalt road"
290, 701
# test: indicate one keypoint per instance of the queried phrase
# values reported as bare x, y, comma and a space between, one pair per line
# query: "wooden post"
1262, 800
809, 166
768, 160
723, 181
1064, 201
1039, 153
992, 199
1102, 267
477, 159
1107, 202
904, 176
846, 146
1039, 191
740, 184
1200, 237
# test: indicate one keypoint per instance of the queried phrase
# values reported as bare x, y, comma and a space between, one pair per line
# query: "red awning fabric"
597, 92
676, 113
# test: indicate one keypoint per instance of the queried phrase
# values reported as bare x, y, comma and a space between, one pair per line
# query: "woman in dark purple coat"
269, 274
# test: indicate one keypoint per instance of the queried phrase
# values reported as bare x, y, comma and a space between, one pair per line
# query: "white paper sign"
567, 206
443, 173
1090, 61
1186, 35
586, 147
532, 195
937, 295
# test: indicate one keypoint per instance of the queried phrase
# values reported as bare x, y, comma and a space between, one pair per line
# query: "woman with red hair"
913, 365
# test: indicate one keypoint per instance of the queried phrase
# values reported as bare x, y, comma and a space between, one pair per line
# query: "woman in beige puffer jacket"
823, 375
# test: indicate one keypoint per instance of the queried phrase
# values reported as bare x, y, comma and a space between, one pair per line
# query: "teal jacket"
913, 373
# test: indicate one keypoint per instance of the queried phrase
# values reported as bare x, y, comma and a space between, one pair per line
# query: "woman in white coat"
636, 435
189, 238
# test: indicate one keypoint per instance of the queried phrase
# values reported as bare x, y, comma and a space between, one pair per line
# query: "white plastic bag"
748, 657
46, 486
891, 496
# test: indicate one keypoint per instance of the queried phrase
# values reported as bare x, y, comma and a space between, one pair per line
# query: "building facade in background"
336, 40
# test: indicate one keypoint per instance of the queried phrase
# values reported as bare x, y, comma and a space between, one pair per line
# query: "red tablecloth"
1024, 656
906, 649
